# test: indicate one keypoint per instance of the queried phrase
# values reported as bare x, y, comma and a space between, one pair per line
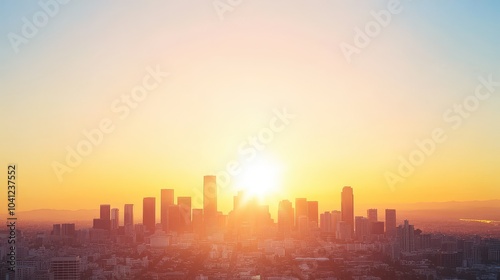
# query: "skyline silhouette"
232, 139
410, 117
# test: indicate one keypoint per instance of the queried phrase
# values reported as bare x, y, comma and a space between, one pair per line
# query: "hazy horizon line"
392, 203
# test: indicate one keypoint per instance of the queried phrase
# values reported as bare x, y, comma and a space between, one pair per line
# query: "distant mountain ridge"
495, 203
58, 216
449, 210
488, 209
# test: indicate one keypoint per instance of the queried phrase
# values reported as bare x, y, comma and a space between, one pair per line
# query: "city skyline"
301, 217
410, 117
241, 197
184, 209
246, 239
362, 209
232, 139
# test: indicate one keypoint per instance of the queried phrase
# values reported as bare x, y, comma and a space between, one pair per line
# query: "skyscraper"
198, 222
149, 213
312, 212
303, 226
343, 231
371, 214
68, 230
336, 218
210, 202
105, 210
285, 218
167, 199
128, 218
300, 210
184, 203
56, 229
325, 220
377, 228
406, 237
104, 221
115, 218
238, 200
390, 223
347, 205
262, 218
174, 218
362, 228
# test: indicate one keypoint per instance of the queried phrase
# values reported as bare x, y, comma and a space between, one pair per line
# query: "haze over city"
229, 138
226, 78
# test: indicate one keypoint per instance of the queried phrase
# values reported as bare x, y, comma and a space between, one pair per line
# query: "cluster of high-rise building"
246, 243
248, 218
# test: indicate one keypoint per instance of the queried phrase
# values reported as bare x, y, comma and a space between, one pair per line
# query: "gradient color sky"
353, 120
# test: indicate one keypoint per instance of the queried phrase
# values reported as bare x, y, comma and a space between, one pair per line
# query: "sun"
260, 178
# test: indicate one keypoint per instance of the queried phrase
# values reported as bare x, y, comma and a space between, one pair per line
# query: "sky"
339, 98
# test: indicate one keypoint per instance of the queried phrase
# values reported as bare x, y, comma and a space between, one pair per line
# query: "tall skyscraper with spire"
347, 207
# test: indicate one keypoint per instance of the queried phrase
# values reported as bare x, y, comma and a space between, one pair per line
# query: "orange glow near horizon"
229, 86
